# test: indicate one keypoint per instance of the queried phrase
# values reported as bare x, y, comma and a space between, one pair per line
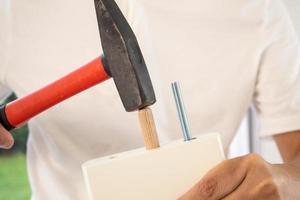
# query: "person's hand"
248, 178
6, 139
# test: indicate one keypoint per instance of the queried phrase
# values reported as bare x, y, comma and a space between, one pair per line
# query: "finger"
219, 182
255, 187
6, 139
264, 190
242, 192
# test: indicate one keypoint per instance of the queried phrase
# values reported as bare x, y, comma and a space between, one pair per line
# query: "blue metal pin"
181, 111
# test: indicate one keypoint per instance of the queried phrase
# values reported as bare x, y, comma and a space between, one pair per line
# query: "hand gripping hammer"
122, 60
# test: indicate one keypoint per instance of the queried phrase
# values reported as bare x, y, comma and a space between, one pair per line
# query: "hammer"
122, 60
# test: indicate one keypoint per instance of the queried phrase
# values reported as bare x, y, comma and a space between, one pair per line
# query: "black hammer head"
123, 57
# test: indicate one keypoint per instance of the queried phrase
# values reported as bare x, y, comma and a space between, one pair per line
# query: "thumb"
219, 181
6, 139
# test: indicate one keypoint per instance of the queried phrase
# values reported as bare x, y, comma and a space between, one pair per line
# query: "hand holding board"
159, 174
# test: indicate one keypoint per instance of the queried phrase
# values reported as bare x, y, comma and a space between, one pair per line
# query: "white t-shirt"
226, 54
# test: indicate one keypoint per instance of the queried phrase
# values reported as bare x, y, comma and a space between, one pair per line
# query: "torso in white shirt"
212, 47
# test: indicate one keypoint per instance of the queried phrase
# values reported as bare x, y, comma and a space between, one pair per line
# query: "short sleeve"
277, 95
4, 33
4, 44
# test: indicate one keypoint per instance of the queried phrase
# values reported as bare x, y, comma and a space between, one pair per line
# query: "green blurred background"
13, 173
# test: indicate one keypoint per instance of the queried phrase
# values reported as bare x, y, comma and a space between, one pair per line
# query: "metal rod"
181, 111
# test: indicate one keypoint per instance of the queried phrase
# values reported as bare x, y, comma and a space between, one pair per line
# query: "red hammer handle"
21, 110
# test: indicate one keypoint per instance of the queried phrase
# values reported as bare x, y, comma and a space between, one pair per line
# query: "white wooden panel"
160, 174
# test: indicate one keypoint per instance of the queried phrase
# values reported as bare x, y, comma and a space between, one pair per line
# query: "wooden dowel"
148, 128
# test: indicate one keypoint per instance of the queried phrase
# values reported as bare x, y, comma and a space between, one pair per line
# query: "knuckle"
267, 188
207, 187
224, 163
254, 159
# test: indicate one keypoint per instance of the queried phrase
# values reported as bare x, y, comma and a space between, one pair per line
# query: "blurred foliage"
20, 135
13, 178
